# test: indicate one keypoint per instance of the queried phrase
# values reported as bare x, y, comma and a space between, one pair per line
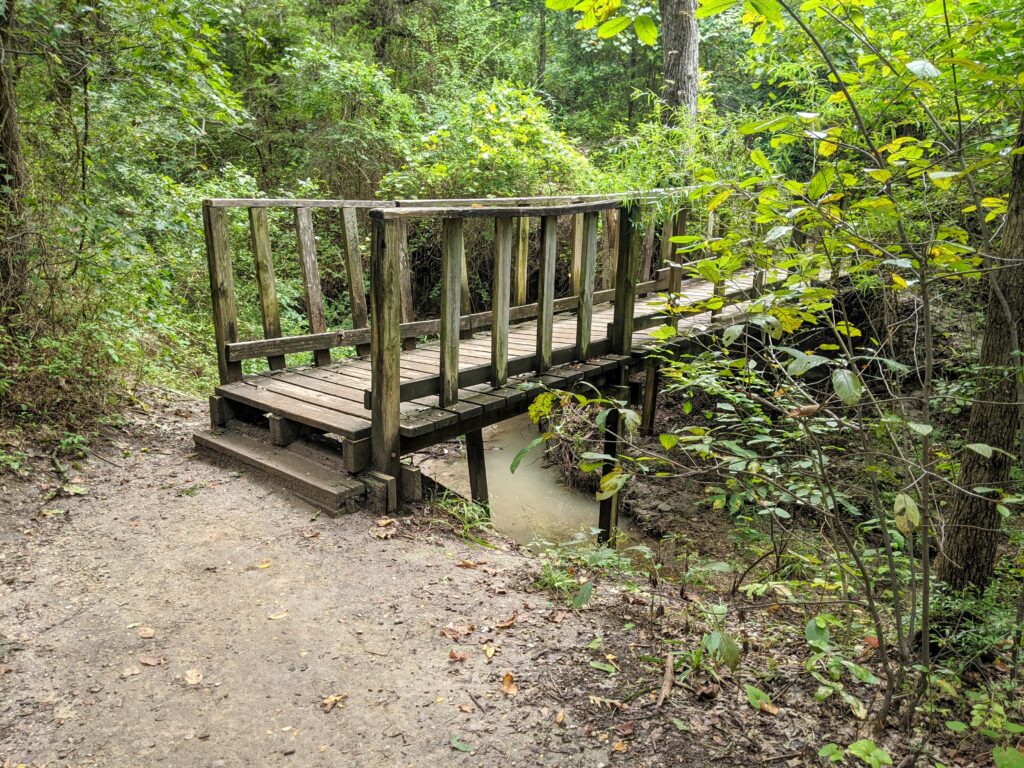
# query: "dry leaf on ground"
508, 685
146, 632
193, 677
330, 702
151, 661
458, 632
508, 622
457, 656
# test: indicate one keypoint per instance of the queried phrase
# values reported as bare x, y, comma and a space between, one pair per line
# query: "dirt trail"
278, 609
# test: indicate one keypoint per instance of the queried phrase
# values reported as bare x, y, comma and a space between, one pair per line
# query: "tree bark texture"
13, 175
680, 40
971, 530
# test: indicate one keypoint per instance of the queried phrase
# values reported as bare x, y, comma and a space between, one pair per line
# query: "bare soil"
260, 611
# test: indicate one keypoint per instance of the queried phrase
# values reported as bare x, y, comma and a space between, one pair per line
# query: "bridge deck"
332, 398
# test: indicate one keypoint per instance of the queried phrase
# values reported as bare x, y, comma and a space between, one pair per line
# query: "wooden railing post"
585, 291
546, 291
576, 271
500, 296
453, 258
385, 345
625, 281
522, 252
222, 290
354, 270
265, 284
311, 280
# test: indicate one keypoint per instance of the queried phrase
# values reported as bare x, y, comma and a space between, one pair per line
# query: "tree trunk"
680, 41
971, 532
14, 179
542, 53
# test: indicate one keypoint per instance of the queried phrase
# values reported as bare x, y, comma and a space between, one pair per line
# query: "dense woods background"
871, 153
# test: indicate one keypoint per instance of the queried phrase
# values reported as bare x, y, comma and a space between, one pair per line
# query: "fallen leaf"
310, 534
130, 671
330, 702
620, 746
146, 632
489, 650
193, 677
384, 533
385, 521
4, 669
508, 685
508, 622
556, 617
706, 690
625, 730
151, 661
457, 656
468, 564
609, 703
804, 410
263, 564
560, 717
465, 708
458, 632
460, 745
277, 616
769, 708
871, 642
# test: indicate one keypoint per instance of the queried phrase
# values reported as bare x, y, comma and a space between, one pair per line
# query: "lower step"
320, 485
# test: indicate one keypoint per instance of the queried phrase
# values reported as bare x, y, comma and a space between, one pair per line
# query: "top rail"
494, 212
289, 202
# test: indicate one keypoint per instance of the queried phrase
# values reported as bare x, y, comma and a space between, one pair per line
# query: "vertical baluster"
625, 280
452, 259
500, 300
385, 345
265, 283
354, 272
588, 265
522, 230
222, 290
577, 252
311, 280
546, 291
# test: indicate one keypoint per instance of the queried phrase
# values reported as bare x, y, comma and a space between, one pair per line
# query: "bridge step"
323, 486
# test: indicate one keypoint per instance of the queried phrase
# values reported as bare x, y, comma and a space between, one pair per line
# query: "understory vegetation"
855, 418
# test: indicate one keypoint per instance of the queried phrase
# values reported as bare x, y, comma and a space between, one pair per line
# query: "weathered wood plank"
500, 297
453, 256
477, 467
266, 285
386, 346
625, 280
511, 211
222, 290
287, 202
576, 268
354, 273
546, 290
521, 227
585, 290
311, 280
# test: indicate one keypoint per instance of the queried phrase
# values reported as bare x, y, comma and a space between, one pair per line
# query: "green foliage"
496, 143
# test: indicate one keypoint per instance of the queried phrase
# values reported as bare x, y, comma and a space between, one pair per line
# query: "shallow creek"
534, 503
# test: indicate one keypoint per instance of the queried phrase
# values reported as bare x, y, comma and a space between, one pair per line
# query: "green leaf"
522, 454
720, 198
460, 745
820, 182
956, 726
711, 7
777, 233
1007, 757
730, 334
847, 385
943, 179
833, 752
758, 699
613, 26
646, 30
906, 512
803, 362
817, 634
560, 5
981, 449
729, 652
770, 9
604, 667
668, 442
583, 596
923, 69
759, 159
921, 429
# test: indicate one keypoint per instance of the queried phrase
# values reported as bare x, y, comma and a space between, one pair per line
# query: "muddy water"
533, 504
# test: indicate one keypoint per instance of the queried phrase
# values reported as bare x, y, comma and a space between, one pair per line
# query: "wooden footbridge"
335, 431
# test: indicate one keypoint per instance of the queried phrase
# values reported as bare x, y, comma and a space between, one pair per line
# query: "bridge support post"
608, 517
477, 467
650, 398
386, 346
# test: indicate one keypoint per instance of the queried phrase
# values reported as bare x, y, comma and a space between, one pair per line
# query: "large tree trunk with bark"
13, 177
971, 531
680, 41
